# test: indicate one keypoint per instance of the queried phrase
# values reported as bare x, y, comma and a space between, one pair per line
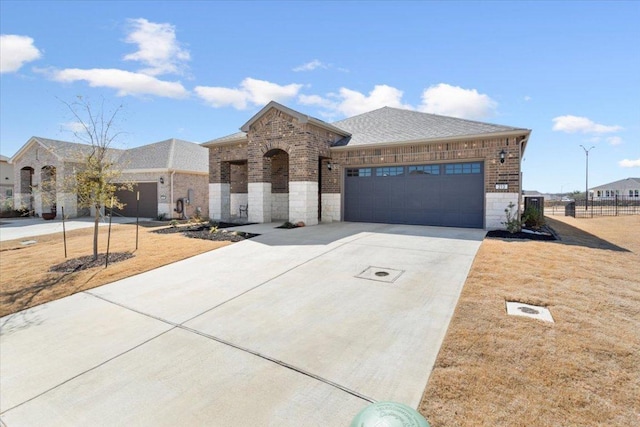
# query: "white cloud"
310, 66
614, 140
254, 91
626, 163
318, 101
15, 51
353, 102
158, 47
350, 102
457, 102
75, 127
575, 124
527, 98
125, 82
222, 96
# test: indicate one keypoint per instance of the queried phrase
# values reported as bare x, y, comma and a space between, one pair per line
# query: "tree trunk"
95, 233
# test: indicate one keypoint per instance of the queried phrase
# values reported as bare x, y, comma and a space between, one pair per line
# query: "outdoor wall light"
329, 166
161, 180
502, 155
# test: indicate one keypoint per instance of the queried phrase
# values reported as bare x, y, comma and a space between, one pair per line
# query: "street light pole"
586, 191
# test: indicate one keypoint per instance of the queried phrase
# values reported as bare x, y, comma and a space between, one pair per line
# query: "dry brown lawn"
584, 369
25, 280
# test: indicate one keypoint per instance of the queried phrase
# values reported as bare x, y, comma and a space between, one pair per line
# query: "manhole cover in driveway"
380, 274
521, 309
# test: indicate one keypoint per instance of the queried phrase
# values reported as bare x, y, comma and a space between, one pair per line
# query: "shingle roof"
229, 138
623, 184
394, 125
170, 154
173, 154
71, 150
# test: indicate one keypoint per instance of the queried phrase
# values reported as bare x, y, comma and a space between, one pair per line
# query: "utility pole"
586, 191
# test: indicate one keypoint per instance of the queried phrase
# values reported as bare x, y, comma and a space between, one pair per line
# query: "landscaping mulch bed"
549, 234
85, 262
203, 231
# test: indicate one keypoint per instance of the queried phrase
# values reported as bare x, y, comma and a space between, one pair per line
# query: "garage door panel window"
390, 171
462, 168
422, 170
363, 172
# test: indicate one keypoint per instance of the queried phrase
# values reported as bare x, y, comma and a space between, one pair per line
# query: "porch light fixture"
161, 180
502, 155
329, 166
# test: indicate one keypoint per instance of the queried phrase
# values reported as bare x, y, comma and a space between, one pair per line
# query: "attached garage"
148, 207
448, 194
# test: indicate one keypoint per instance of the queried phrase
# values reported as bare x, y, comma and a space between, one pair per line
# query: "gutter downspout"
520, 197
171, 191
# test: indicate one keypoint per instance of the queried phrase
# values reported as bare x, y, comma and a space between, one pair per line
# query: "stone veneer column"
219, 201
303, 202
259, 202
495, 204
331, 207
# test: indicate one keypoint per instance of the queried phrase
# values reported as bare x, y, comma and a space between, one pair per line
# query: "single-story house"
171, 177
389, 165
628, 187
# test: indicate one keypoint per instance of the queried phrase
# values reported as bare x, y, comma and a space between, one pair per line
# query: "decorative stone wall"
219, 201
279, 206
303, 202
495, 204
259, 202
331, 204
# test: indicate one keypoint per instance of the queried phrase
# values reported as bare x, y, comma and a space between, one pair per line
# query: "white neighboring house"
6, 183
628, 188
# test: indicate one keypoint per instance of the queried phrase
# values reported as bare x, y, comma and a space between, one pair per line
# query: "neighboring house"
163, 174
6, 183
388, 165
628, 187
172, 177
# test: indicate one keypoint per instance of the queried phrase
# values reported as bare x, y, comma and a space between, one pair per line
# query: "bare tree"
95, 180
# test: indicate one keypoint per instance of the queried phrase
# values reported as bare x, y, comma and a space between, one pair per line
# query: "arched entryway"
48, 191
279, 177
25, 192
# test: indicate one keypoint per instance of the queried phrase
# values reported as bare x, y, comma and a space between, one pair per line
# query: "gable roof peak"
302, 118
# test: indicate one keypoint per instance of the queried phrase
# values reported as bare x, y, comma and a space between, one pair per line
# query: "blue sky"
570, 71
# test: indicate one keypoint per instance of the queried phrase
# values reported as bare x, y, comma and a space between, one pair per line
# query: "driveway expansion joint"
216, 339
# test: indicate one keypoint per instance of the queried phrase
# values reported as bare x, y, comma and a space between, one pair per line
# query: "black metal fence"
610, 206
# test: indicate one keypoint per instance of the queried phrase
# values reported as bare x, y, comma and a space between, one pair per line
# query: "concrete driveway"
20, 228
300, 327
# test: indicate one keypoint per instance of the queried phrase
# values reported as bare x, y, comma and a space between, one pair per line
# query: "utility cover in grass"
527, 310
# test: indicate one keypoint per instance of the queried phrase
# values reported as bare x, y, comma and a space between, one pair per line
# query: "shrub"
513, 224
532, 217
